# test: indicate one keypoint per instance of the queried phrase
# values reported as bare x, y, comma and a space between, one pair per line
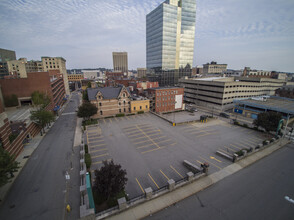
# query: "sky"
254, 33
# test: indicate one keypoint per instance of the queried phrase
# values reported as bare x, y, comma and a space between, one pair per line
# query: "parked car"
224, 115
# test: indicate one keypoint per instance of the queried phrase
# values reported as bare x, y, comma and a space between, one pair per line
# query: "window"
124, 102
119, 103
146, 106
100, 104
119, 110
124, 95
101, 113
124, 110
134, 108
140, 107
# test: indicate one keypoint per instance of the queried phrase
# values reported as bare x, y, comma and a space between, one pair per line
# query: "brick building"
75, 77
50, 83
166, 99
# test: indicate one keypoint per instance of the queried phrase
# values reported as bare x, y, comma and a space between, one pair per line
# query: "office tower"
170, 33
120, 62
5, 55
141, 72
57, 63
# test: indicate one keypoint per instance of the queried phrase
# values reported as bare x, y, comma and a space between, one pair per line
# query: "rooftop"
171, 87
19, 114
275, 103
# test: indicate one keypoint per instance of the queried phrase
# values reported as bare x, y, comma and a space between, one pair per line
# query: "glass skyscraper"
170, 33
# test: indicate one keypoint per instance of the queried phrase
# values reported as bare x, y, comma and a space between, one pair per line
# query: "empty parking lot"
152, 151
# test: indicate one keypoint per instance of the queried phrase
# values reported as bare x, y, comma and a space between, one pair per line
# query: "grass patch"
90, 122
88, 160
120, 115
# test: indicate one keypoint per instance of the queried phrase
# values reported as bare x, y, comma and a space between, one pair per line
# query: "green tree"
89, 85
85, 95
86, 110
42, 118
110, 179
268, 120
7, 166
40, 99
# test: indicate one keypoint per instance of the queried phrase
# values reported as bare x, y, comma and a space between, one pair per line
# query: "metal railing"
136, 199
107, 211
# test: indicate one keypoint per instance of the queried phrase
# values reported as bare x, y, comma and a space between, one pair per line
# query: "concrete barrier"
225, 155
192, 167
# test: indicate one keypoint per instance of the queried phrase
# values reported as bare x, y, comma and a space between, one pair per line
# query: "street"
41, 191
257, 192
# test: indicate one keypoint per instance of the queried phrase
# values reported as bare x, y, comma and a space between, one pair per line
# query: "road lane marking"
153, 180
96, 141
99, 150
202, 131
99, 145
100, 162
101, 155
140, 185
199, 162
257, 138
163, 141
164, 175
234, 150
148, 140
210, 162
250, 141
145, 146
242, 145
176, 171
148, 137
213, 158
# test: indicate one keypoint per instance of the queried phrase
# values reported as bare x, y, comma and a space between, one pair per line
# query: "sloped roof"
107, 92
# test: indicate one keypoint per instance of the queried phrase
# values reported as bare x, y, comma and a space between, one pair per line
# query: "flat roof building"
5, 55
253, 106
120, 62
220, 92
214, 68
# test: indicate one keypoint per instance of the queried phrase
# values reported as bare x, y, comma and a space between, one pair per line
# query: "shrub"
11, 101
245, 125
88, 160
86, 148
12, 137
140, 112
264, 142
120, 115
236, 123
240, 153
131, 114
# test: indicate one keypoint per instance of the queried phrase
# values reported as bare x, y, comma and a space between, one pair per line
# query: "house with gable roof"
110, 100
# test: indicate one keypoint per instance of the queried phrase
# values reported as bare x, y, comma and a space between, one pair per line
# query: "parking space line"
140, 185
206, 134
96, 141
229, 149
199, 162
242, 145
256, 139
104, 121
110, 120
99, 145
151, 132
101, 155
137, 129
144, 152
247, 142
145, 146
101, 161
164, 175
153, 180
149, 140
232, 145
208, 161
250, 141
201, 131
163, 141
116, 119
174, 169
99, 150
223, 150
147, 136
250, 132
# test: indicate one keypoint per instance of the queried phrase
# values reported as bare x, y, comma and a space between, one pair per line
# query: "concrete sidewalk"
154, 205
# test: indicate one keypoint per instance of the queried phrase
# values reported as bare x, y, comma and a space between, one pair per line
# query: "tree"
268, 120
86, 110
7, 166
40, 99
42, 117
110, 179
85, 95
11, 101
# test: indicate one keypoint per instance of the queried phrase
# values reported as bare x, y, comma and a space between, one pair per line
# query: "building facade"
120, 62
19, 68
140, 105
220, 92
166, 99
170, 33
5, 55
141, 72
110, 100
75, 77
257, 73
214, 68
57, 63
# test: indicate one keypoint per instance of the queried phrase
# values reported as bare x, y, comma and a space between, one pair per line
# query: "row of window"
166, 98
160, 93
52, 67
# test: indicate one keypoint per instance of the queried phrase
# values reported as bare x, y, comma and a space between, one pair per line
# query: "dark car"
224, 115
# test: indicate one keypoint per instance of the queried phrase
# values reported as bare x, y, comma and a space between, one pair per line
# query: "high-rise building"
120, 62
141, 72
170, 33
57, 63
5, 55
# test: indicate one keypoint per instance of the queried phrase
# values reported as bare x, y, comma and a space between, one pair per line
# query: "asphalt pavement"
256, 192
41, 190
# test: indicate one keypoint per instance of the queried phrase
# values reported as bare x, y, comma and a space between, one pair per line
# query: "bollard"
122, 203
171, 184
148, 193
190, 176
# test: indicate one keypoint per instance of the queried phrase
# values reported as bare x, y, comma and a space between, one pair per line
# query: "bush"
236, 123
140, 112
88, 160
89, 122
245, 125
86, 148
264, 142
131, 114
12, 137
120, 115
240, 153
